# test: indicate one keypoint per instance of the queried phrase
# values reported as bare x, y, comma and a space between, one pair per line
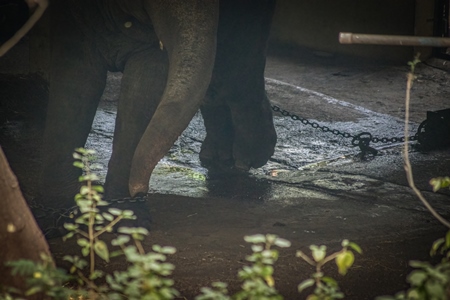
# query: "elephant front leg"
142, 86
77, 80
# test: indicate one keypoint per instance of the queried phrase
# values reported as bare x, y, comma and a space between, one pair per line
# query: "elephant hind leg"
238, 84
217, 148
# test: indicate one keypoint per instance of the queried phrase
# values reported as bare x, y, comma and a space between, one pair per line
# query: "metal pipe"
393, 40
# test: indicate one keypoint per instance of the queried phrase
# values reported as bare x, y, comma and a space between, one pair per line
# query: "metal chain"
58, 215
67, 211
362, 139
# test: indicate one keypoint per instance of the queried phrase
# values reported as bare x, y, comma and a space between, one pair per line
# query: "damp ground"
316, 189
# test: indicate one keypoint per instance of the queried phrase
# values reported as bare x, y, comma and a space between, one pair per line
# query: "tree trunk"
20, 236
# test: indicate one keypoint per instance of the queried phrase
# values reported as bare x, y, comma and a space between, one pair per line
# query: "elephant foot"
254, 136
238, 136
216, 154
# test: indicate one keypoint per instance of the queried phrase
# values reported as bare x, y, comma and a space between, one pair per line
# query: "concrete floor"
315, 190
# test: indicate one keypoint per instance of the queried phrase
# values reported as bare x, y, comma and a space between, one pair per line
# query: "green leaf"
115, 211
447, 239
68, 236
107, 216
101, 250
127, 213
330, 281
355, 247
70, 226
419, 264
33, 290
85, 251
115, 253
282, 243
435, 290
257, 248
96, 167
91, 177
437, 243
98, 188
318, 253
255, 239
84, 190
270, 238
344, 261
82, 242
168, 250
120, 240
68, 258
96, 274
305, 284
439, 183
80, 150
78, 164
416, 277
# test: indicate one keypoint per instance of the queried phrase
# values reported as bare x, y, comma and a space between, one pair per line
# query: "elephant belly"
114, 29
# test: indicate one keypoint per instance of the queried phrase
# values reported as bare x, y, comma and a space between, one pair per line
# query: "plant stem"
110, 225
91, 222
408, 168
139, 247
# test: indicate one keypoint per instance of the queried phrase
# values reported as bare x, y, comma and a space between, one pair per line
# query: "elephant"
176, 56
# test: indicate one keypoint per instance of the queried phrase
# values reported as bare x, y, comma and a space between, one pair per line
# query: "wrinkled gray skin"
161, 90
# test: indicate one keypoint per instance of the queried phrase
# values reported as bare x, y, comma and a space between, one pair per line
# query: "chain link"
67, 211
57, 216
355, 138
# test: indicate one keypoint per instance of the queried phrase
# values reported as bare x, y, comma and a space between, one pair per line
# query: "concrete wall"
316, 24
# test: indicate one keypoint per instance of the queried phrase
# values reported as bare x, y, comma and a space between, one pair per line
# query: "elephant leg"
142, 86
217, 148
77, 81
188, 30
237, 112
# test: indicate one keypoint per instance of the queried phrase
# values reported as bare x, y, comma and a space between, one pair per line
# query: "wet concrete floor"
315, 190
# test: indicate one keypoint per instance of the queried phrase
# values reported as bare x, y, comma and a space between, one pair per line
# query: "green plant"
147, 275
427, 282
440, 183
327, 288
145, 278
41, 277
257, 279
